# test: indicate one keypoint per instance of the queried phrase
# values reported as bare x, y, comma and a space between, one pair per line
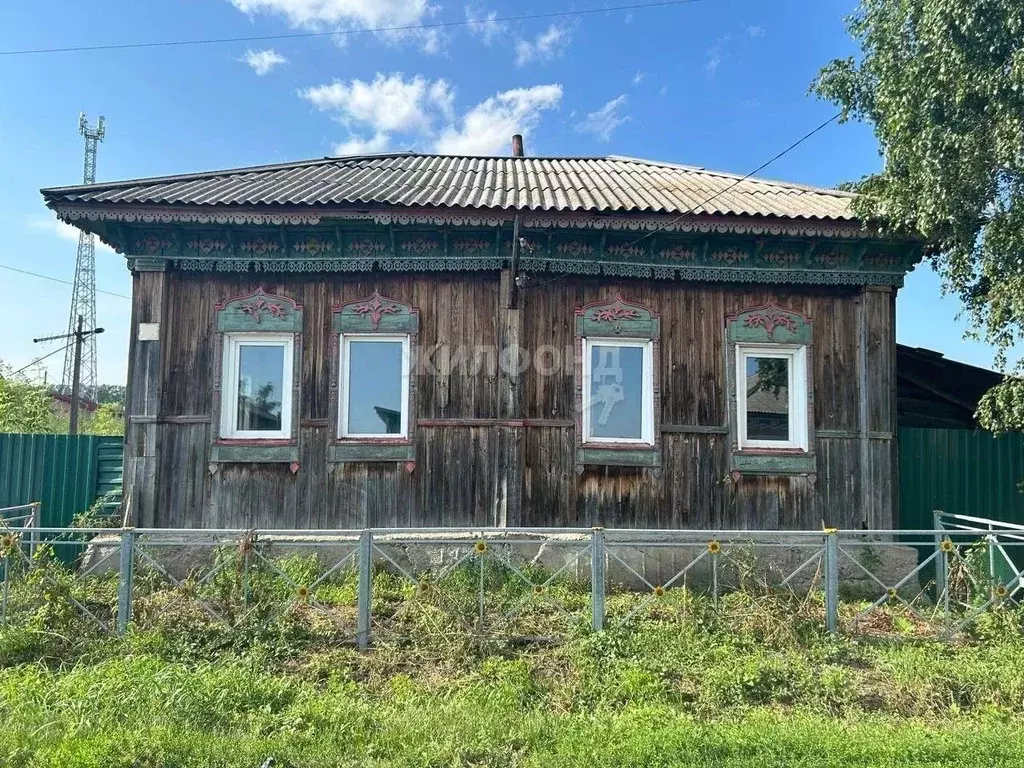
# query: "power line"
740, 180
363, 30
58, 280
39, 360
759, 168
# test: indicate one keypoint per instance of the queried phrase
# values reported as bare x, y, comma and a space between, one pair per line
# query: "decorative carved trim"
768, 324
375, 313
420, 245
313, 245
259, 311
619, 317
629, 320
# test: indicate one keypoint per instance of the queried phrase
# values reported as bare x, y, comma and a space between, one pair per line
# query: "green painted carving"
617, 318
768, 324
341, 452
748, 463
375, 314
362, 246
642, 457
147, 264
259, 311
260, 454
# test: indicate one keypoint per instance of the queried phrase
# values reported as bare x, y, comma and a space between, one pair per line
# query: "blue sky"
717, 83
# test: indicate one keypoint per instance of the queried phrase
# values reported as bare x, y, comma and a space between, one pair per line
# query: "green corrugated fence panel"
67, 474
960, 471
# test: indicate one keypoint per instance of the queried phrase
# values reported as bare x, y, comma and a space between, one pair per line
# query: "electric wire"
58, 280
357, 31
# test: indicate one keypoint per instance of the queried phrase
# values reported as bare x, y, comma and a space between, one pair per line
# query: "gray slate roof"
583, 184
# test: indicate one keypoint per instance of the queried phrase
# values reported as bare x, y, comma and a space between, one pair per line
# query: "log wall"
495, 449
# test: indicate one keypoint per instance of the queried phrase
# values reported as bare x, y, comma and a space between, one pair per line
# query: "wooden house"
426, 340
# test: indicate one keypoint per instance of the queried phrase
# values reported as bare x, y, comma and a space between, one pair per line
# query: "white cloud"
663, 90
488, 127
263, 61
638, 78
546, 46
716, 54
389, 103
317, 14
353, 14
755, 31
357, 145
484, 24
603, 122
65, 232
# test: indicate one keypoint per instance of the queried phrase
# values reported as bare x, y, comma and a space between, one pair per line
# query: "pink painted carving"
376, 309
258, 305
614, 314
770, 320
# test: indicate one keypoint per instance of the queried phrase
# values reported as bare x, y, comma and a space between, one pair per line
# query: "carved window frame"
611, 322
368, 317
770, 330
233, 343
345, 341
255, 315
796, 395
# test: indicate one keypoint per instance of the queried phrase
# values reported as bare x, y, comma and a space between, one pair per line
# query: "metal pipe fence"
521, 584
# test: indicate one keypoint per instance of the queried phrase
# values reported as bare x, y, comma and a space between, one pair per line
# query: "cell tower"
83, 294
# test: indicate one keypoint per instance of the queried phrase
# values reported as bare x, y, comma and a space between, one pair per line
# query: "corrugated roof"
597, 184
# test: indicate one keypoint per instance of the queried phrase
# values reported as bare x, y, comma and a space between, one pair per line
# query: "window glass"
767, 400
616, 391
260, 387
374, 387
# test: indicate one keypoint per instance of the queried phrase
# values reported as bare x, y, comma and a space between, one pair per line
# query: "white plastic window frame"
796, 357
233, 343
344, 343
647, 400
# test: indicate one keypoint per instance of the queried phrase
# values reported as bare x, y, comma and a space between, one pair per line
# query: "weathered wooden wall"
493, 450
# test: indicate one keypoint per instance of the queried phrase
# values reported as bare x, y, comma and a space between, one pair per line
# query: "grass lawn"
754, 681
657, 694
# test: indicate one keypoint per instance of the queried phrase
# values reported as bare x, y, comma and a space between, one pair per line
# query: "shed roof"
576, 184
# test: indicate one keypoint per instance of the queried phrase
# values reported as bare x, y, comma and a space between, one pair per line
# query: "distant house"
413, 339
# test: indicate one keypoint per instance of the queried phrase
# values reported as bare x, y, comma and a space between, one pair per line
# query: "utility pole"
79, 334
83, 292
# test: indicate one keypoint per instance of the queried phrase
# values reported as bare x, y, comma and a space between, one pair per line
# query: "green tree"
24, 406
110, 393
942, 83
107, 419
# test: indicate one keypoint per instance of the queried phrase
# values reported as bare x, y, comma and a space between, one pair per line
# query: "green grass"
753, 682
143, 711
658, 694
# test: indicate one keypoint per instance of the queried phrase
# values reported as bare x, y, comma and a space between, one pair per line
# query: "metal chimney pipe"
517, 146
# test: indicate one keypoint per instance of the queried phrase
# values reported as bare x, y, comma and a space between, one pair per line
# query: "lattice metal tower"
83, 294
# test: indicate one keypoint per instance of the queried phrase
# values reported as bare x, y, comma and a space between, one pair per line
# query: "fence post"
831, 580
597, 578
363, 607
941, 559
37, 511
124, 584
3, 596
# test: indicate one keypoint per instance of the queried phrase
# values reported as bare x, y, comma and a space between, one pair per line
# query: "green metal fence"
960, 471
67, 474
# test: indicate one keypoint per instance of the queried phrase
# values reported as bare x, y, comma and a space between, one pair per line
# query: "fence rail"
377, 585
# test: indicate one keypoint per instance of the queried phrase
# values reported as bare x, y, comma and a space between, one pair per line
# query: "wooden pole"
76, 379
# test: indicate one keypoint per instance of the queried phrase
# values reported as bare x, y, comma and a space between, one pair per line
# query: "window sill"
376, 449
619, 454
773, 461
261, 451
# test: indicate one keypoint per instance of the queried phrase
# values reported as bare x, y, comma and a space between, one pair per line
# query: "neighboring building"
409, 340
935, 392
